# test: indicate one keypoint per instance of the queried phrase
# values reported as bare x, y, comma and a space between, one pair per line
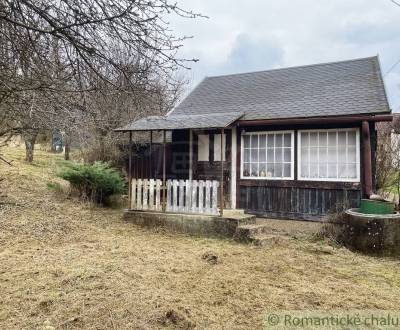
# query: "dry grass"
68, 265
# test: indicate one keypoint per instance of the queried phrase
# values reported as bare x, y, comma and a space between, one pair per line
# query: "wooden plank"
139, 194
190, 154
169, 195
207, 208
151, 194
175, 195
145, 193
194, 208
188, 195
233, 181
158, 194
133, 194
181, 204
201, 195
214, 200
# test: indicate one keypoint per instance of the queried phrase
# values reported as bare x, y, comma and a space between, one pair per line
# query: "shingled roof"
330, 89
213, 120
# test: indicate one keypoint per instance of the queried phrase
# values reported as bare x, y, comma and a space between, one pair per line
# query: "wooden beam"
190, 154
233, 167
316, 120
164, 176
367, 159
151, 155
130, 172
222, 175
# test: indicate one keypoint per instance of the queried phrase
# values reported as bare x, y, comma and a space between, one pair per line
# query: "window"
329, 155
203, 148
217, 147
268, 155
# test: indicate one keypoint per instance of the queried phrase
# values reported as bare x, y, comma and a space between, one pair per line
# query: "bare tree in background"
388, 158
68, 55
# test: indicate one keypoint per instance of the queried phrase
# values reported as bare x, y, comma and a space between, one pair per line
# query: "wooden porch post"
190, 154
222, 175
366, 139
164, 176
130, 172
233, 167
151, 155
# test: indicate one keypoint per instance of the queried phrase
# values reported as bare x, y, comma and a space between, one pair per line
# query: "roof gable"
330, 89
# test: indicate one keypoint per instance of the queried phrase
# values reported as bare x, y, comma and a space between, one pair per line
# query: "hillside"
69, 265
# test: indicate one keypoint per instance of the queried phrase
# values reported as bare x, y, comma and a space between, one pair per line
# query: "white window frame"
358, 163
292, 164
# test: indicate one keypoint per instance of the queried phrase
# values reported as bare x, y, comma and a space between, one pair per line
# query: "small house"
293, 143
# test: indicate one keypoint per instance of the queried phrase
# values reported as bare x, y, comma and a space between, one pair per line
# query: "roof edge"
291, 67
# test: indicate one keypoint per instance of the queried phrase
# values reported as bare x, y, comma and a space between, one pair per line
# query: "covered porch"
187, 165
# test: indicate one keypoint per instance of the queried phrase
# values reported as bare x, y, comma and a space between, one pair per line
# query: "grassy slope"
82, 267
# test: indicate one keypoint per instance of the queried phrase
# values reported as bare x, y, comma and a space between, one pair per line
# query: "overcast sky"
252, 35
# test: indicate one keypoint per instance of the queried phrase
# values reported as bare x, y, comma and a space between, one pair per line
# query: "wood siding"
294, 199
296, 202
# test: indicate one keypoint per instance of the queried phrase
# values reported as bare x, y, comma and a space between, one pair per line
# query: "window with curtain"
268, 155
329, 155
203, 148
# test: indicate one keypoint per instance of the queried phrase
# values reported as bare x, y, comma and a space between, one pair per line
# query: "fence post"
169, 190
151, 194
188, 195
194, 196
214, 206
133, 194
201, 196
158, 192
207, 207
181, 206
139, 194
175, 195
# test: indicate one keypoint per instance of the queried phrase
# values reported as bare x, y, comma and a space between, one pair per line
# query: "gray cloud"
252, 35
249, 54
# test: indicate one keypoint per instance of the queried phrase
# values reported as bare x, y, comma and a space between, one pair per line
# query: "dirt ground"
68, 265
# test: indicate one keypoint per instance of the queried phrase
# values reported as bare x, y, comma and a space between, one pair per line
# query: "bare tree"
68, 55
388, 158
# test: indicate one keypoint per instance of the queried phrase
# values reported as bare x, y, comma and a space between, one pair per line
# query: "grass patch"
69, 265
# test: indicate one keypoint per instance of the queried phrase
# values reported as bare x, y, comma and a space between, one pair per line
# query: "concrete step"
265, 240
230, 212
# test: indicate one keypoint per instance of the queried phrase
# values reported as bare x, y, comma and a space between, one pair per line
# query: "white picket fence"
183, 196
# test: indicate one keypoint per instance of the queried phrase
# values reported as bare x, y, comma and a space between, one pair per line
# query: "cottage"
287, 143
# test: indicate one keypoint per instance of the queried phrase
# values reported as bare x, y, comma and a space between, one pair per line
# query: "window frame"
292, 162
358, 160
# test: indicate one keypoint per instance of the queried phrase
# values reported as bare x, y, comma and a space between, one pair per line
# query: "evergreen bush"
94, 182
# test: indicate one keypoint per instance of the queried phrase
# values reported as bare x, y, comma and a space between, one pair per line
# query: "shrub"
95, 182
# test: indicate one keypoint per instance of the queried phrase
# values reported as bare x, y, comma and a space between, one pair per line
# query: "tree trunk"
67, 146
30, 139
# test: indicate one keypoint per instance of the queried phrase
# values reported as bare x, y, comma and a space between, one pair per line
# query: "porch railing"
182, 196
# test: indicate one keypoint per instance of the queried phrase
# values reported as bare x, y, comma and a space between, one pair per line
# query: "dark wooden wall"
211, 170
297, 201
294, 199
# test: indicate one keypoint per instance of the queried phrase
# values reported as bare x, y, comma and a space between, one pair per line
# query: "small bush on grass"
94, 182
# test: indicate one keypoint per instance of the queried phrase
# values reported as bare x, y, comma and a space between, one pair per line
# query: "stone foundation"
193, 224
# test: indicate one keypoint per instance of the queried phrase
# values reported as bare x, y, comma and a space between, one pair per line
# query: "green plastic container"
369, 206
